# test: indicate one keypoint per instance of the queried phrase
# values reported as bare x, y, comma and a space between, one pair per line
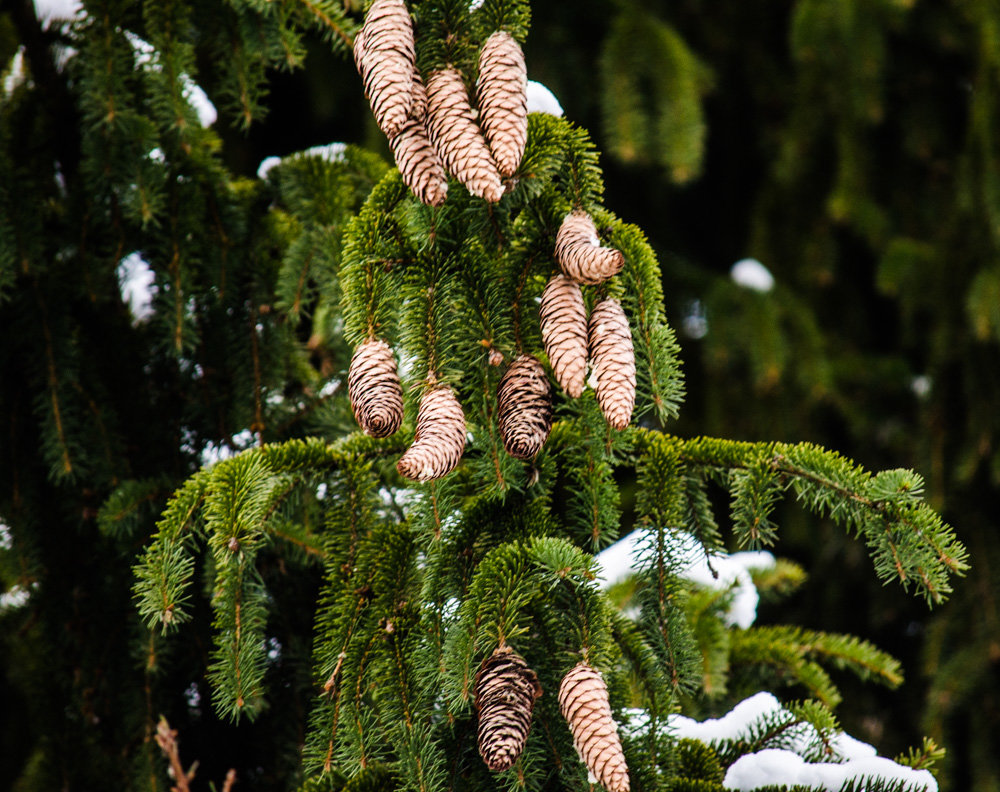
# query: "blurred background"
821, 182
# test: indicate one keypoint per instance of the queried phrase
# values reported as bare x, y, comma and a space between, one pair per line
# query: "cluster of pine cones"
524, 396
433, 127
506, 690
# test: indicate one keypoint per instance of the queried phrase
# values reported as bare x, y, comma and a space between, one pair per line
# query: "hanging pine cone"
440, 437
374, 389
613, 359
583, 702
452, 127
563, 319
579, 251
385, 55
502, 91
524, 406
506, 690
419, 164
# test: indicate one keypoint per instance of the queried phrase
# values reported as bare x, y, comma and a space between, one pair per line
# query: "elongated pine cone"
419, 164
564, 332
385, 56
452, 127
612, 357
374, 389
524, 406
579, 251
502, 92
583, 702
506, 690
440, 437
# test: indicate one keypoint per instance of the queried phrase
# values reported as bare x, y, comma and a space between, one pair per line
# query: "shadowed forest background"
850, 146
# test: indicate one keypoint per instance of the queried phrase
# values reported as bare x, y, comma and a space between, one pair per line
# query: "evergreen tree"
305, 615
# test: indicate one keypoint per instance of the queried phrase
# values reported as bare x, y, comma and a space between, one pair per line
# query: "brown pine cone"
524, 406
579, 251
452, 127
563, 318
506, 690
419, 164
385, 56
440, 437
583, 702
374, 389
612, 357
502, 91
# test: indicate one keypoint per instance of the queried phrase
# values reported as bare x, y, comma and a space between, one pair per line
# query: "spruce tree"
298, 610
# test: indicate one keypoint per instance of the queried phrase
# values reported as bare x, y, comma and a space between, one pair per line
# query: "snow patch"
137, 282
542, 100
695, 323
853, 759
16, 596
751, 274
775, 767
240, 441
49, 11
715, 571
331, 152
15, 74
145, 57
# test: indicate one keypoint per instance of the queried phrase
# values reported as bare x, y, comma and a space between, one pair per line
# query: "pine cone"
440, 437
583, 702
374, 389
579, 251
524, 404
613, 359
452, 127
502, 91
385, 55
506, 690
563, 319
419, 164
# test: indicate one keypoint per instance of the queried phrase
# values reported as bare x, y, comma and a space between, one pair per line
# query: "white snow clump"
331, 152
774, 767
49, 11
751, 274
542, 100
852, 760
717, 571
137, 282
145, 57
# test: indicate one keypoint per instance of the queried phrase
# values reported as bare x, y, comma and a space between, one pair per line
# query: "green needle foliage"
234, 553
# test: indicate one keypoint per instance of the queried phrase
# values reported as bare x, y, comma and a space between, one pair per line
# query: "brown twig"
166, 738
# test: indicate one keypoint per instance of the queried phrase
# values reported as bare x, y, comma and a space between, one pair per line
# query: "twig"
166, 738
